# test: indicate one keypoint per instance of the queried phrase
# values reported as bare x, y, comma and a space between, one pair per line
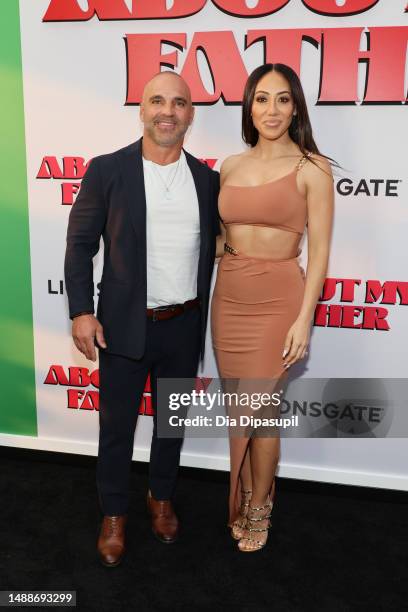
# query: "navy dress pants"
172, 351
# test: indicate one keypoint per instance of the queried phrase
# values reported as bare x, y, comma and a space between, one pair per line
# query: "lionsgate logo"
341, 407
368, 187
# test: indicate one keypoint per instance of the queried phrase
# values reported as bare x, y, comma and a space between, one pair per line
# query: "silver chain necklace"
167, 185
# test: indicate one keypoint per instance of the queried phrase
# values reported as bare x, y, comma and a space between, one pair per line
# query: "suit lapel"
201, 181
131, 165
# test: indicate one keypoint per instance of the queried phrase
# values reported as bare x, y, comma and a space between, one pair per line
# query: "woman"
263, 304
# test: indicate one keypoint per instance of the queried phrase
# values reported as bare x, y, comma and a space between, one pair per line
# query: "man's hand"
85, 328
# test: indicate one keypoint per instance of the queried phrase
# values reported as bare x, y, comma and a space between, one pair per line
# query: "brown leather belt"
162, 313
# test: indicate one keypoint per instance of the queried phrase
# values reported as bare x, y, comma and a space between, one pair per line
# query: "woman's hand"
296, 343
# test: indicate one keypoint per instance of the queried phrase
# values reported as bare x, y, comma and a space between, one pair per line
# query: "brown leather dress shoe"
111, 541
164, 520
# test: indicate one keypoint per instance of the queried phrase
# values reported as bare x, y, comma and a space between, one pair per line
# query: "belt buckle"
157, 310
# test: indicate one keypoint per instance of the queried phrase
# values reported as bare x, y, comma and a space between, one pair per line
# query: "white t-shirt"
172, 233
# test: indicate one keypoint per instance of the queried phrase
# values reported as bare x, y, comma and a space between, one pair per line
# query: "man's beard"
166, 140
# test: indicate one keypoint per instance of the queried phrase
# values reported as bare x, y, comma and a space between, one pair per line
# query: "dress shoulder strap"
303, 160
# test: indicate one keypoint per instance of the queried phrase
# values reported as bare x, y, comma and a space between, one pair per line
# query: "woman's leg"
245, 480
264, 458
245, 475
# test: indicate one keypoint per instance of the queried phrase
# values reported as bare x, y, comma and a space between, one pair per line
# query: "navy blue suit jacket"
112, 204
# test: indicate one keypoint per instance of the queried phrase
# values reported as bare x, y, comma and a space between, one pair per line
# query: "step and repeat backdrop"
83, 67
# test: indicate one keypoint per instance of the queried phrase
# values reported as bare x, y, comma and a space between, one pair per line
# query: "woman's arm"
226, 166
219, 252
320, 204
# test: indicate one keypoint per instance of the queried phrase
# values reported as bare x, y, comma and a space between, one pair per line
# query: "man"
155, 206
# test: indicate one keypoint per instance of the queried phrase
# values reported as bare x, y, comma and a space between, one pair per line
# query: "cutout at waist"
236, 253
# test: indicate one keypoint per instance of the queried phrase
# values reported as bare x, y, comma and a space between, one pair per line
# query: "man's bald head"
166, 80
166, 109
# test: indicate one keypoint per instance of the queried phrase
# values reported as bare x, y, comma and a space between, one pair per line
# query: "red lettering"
69, 10
79, 377
334, 9
148, 387
74, 167
327, 315
74, 395
56, 376
50, 169
339, 76
145, 58
388, 291
349, 314
83, 400
239, 8
283, 46
385, 59
221, 52
209, 162
202, 384
91, 401
95, 378
329, 289
344, 316
146, 406
375, 318
68, 191
334, 315
340, 50
347, 289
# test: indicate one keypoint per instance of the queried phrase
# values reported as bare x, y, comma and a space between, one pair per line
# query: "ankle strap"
268, 505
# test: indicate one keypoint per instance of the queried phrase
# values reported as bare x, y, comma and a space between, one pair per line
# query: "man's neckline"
149, 161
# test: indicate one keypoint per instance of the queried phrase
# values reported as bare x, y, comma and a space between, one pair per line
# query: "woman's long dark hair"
300, 130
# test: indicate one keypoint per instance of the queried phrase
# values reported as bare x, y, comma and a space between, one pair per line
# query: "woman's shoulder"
318, 167
231, 162
234, 164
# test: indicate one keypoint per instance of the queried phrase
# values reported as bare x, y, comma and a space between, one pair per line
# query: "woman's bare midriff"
263, 242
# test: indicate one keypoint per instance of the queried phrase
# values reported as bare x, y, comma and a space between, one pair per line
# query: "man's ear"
192, 114
141, 111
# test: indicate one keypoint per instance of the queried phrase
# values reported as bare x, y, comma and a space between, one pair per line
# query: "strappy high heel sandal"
238, 526
251, 528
